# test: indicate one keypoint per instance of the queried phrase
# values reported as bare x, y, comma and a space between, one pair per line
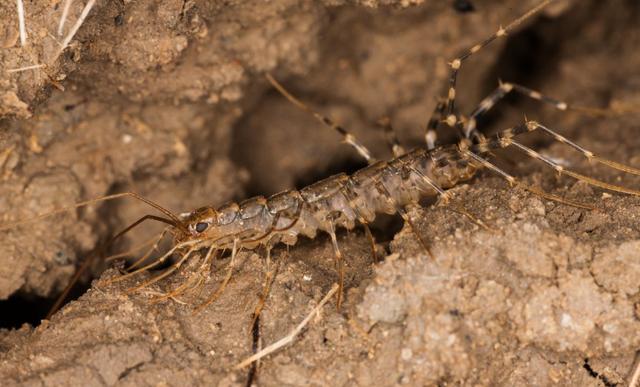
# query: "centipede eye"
201, 226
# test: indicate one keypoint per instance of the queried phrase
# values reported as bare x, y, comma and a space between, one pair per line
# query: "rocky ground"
168, 99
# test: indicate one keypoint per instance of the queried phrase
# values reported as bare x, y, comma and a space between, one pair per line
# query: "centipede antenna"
175, 222
75, 27
232, 265
384, 192
88, 261
531, 153
451, 118
348, 137
23, 32
65, 12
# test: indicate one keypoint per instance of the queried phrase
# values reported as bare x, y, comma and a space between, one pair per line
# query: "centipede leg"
150, 241
348, 137
384, 192
505, 88
88, 261
265, 290
165, 274
349, 194
392, 138
505, 138
231, 266
184, 288
451, 118
448, 199
431, 133
339, 261
513, 181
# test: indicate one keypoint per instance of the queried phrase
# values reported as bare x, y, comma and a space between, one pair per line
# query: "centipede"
348, 201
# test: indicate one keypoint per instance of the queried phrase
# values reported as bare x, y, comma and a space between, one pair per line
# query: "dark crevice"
596, 375
22, 309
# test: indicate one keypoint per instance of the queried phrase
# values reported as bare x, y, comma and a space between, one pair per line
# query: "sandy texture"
168, 99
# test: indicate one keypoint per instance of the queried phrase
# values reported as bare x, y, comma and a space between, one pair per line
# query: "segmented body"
338, 201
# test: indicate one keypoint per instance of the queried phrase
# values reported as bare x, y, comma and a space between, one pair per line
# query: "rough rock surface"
167, 99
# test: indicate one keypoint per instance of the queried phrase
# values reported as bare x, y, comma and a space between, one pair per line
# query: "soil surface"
168, 99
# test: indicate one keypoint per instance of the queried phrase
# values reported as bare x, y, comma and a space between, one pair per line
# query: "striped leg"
505, 88
391, 137
505, 139
494, 142
348, 137
432, 126
451, 118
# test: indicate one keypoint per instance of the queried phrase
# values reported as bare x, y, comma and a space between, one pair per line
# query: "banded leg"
505, 139
392, 138
231, 266
348, 137
531, 126
431, 133
506, 87
384, 192
513, 181
451, 119
561, 170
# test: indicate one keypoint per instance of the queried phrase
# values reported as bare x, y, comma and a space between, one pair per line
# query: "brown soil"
168, 99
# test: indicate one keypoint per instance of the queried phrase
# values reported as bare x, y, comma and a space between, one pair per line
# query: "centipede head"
198, 223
